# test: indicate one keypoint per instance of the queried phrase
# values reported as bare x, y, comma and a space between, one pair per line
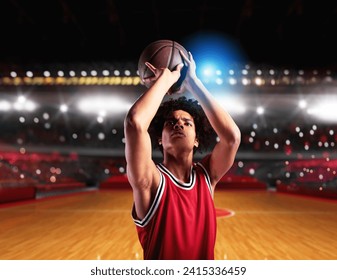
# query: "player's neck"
179, 167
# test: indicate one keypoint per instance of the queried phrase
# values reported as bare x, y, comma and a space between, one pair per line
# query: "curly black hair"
204, 131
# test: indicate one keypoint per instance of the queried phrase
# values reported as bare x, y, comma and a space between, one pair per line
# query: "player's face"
179, 131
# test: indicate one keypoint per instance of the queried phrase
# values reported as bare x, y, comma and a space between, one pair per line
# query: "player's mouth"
178, 133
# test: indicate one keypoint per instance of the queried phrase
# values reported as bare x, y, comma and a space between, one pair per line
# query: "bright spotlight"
103, 104
213, 50
219, 81
5, 105
302, 104
232, 104
63, 108
23, 104
324, 110
208, 71
232, 81
260, 110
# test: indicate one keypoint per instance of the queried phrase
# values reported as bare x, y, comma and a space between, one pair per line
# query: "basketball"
162, 54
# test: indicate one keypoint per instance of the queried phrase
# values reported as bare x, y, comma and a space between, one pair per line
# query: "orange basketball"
162, 54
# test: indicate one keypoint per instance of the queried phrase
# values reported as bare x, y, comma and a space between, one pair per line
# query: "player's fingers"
149, 80
179, 66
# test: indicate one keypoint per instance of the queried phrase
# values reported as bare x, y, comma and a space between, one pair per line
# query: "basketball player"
173, 201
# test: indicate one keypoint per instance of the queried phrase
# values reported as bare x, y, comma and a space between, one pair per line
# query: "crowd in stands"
53, 149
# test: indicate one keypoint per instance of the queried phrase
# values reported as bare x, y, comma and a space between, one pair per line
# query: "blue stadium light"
208, 71
213, 53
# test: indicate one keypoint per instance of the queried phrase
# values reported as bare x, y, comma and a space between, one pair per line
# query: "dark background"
296, 33
110, 35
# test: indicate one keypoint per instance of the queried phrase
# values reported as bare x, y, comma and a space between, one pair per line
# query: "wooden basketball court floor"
97, 225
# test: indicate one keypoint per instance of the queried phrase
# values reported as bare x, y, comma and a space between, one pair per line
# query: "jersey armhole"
153, 207
207, 178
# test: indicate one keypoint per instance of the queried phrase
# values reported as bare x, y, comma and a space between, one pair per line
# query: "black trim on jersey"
186, 186
208, 179
154, 205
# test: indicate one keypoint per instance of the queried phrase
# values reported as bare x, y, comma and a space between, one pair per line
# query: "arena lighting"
213, 50
302, 104
106, 104
29, 74
260, 110
245, 81
234, 106
26, 106
5, 105
63, 108
93, 73
23, 104
219, 81
244, 72
325, 110
232, 81
208, 70
127, 73
258, 81
106, 73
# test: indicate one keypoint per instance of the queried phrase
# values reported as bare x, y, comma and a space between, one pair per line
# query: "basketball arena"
64, 193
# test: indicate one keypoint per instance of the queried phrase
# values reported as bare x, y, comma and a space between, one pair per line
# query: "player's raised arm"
142, 173
224, 152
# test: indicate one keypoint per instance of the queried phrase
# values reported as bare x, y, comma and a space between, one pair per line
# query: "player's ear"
196, 143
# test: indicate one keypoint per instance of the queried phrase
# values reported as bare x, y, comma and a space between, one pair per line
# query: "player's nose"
178, 125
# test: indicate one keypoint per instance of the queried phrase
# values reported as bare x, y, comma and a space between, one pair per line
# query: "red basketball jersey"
181, 222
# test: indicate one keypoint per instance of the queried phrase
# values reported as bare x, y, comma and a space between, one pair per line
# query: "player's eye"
171, 123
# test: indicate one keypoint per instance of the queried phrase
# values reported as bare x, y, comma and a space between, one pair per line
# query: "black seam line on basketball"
171, 56
186, 186
208, 180
150, 59
154, 206
147, 69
